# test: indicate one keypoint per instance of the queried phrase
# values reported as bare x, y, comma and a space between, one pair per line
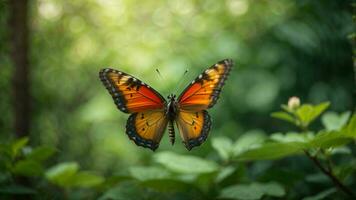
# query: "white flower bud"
293, 103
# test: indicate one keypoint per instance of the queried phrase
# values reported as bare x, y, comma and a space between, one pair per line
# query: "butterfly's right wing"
146, 128
204, 91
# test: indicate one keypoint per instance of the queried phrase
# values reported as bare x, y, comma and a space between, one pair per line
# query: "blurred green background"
280, 49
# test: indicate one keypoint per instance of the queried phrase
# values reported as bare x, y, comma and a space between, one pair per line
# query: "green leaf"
321, 195
149, 173
270, 151
17, 145
86, 180
16, 189
308, 113
327, 139
168, 185
287, 109
41, 153
250, 140
27, 168
223, 146
292, 137
350, 129
185, 164
284, 116
332, 121
125, 191
224, 173
252, 191
61, 174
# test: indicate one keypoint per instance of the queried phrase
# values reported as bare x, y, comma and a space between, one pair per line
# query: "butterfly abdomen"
171, 132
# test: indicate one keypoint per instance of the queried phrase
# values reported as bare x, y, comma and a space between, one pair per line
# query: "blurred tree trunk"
18, 29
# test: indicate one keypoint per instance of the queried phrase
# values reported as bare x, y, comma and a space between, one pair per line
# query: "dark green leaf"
28, 168
252, 191
41, 153
168, 185
329, 139
17, 145
16, 189
321, 195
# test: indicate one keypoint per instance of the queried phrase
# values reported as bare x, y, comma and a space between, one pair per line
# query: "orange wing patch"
130, 94
204, 91
146, 128
193, 127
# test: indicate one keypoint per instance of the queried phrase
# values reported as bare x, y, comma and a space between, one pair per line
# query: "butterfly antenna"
159, 74
181, 81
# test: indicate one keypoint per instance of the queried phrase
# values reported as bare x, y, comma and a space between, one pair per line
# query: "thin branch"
331, 175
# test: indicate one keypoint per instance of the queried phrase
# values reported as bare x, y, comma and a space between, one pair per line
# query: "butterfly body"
151, 113
171, 114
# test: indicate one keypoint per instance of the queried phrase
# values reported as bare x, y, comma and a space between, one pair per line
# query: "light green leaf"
286, 108
125, 191
321, 195
185, 164
86, 180
223, 146
308, 113
340, 150
149, 173
224, 173
252, 191
41, 153
61, 174
283, 116
350, 129
27, 168
271, 151
333, 121
292, 137
250, 140
17, 145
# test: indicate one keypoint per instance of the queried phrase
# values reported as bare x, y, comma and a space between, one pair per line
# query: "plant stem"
331, 175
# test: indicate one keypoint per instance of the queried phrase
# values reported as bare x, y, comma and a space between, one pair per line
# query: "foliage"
78, 149
191, 177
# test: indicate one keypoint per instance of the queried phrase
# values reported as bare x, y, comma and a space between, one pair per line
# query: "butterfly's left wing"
129, 93
193, 120
193, 126
147, 122
146, 128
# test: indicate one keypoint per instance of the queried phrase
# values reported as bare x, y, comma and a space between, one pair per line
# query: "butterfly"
151, 113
